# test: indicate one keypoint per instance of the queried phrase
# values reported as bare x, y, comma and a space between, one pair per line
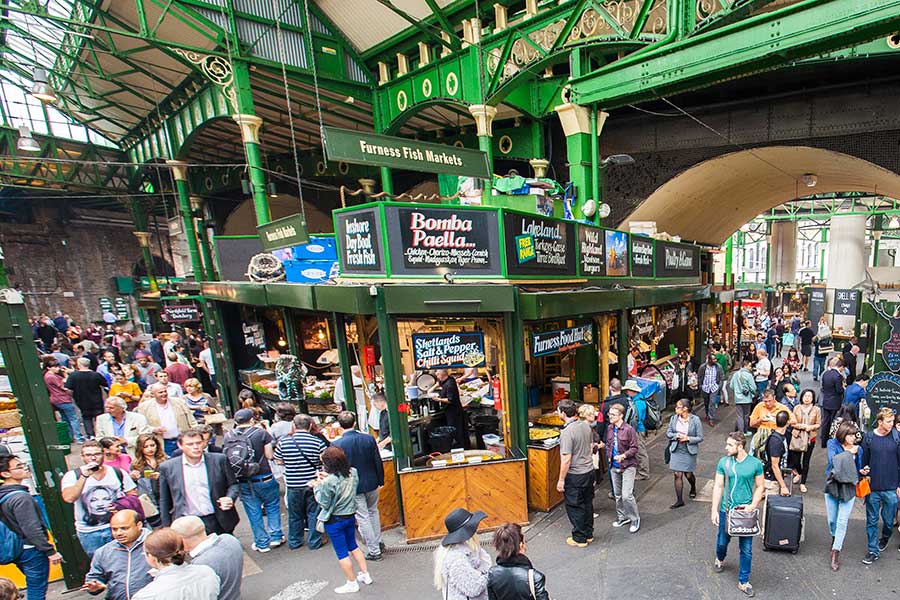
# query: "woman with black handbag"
514, 577
738, 490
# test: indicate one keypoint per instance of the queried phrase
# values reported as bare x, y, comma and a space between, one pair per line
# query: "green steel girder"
754, 44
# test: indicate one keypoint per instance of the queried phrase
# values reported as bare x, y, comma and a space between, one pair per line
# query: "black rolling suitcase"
784, 523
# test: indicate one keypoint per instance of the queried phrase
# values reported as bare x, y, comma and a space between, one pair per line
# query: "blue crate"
318, 248
309, 271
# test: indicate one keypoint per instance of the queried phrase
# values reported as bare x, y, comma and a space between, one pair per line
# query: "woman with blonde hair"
197, 400
461, 565
175, 580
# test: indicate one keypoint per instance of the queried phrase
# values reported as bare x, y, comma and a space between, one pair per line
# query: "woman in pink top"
114, 454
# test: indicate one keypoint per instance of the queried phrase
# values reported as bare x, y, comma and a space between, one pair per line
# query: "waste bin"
440, 439
485, 424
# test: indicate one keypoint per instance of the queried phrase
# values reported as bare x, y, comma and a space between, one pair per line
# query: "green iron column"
394, 391
209, 264
179, 171
578, 129
729, 260
822, 254
340, 340
516, 390
48, 456
142, 233
387, 181
484, 118
876, 235
250, 124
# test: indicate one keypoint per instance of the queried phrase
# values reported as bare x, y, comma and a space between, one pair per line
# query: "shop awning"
535, 306
656, 296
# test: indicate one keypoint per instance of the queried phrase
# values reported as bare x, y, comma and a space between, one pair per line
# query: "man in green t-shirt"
724, 361
739, 483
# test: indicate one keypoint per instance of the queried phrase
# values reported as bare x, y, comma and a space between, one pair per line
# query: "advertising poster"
592, 251
539, 247
641, 256
359, 235
616, 253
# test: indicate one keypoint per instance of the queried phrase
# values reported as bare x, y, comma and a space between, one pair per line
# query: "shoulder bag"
740, 523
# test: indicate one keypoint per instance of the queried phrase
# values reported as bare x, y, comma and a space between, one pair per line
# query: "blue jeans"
69, 414
711, 403
838, 517
761, 386
35, 565
92, 541
302, 512
257, 495
170, 446
342, 533
885, 504
745, 544
818, 364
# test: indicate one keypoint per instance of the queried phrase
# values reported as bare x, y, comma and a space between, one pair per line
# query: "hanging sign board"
538, 247
446, 350
180, 313
816, 307
591, 251
435, 241
890, 349
616, 253
358, 235
283, 233
846, 302
677, 260
561, 340
883, 391
741, 294
106, 305
641, 256
362, 148
121, 309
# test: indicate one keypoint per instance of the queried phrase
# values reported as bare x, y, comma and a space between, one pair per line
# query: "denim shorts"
341, 531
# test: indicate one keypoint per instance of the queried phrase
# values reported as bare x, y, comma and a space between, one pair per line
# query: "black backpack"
238, 450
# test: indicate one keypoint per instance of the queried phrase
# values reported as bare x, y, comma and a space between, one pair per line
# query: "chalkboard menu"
445, 350
434, 241
122, 311
358, 234
591, 251
677, 260
890, 349
816, 307
883, 391
846, 302
536, 246
180, 313
561, 340
641, 256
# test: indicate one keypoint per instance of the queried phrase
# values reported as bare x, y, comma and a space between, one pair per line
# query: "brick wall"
69, 264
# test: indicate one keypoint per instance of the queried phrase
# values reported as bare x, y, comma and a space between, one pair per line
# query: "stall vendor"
456, 415
469, 374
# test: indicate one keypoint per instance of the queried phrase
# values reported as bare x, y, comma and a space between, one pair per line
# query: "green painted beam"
657, 296
759, 43
572, 304
449, 299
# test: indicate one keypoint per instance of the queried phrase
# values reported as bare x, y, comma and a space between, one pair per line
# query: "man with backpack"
23, 530
881, 462
641, 416
93, 489
249, 449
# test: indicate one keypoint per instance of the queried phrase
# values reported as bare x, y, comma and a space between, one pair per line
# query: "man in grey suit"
222, 553
200, 484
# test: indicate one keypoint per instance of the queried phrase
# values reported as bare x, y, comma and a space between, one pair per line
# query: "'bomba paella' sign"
445, 350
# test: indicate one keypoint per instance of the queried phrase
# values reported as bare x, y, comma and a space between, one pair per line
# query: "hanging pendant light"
27, 143
272, 189
42, 90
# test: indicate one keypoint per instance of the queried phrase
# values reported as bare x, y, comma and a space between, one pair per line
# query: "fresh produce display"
320, 390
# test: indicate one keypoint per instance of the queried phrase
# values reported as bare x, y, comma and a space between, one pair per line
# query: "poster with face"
616, 253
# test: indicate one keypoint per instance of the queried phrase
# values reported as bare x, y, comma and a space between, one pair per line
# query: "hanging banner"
358, 235
283, 233
677, 260
591, 251
846, 302
641, 256
362, 148
435, 241
561, 340
538, 247
446, 350
883, 391
816, 307
616, 253
180, 313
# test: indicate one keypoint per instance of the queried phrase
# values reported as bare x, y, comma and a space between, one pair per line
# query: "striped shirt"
298, 471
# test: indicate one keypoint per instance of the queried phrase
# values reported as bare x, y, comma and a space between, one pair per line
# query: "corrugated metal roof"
367, 22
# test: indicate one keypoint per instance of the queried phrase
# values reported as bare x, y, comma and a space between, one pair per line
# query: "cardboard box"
534, 412
590, 394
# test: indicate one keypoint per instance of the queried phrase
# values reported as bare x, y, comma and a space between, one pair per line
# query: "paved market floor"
670, 558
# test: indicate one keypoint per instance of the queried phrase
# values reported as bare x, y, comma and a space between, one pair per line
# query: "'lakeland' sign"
561, 340
283, 233
362, 148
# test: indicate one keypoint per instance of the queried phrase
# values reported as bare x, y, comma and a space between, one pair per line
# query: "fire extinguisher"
498, 395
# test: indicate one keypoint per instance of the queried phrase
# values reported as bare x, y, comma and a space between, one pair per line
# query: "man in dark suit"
198, 483
832, 395
849, 356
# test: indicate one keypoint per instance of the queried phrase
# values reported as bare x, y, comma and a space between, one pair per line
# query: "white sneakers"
349, 587
364, 578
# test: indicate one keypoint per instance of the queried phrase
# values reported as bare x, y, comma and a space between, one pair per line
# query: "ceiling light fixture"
809, 179
42, 90
272, 189
894, 223
27, 143
617, 159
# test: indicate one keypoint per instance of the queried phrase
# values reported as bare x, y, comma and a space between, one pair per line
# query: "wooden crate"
543, 473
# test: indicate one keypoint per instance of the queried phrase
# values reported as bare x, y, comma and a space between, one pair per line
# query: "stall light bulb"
321, 334
282, 342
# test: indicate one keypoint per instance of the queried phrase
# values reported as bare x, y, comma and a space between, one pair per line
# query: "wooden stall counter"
495, 487
543, 473
388, 503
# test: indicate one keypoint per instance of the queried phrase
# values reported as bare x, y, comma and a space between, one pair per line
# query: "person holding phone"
120, 567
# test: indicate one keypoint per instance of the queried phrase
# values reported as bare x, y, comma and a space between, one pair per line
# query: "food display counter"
495, 486
543, 463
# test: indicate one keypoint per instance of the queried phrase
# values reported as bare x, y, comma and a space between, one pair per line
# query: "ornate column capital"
574, 118
540, 167
196, 203
179, 169
484, 117
143, 238
249, 125
368, 185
